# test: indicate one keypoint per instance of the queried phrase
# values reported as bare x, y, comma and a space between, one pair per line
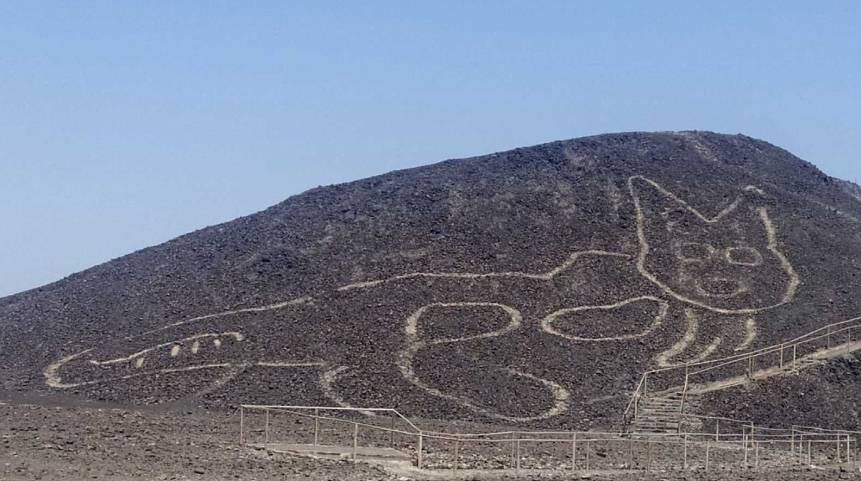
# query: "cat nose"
721, 287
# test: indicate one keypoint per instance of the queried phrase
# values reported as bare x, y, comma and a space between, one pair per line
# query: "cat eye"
743, 256
694, 251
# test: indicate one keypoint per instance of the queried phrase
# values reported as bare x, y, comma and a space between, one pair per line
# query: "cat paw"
453, 352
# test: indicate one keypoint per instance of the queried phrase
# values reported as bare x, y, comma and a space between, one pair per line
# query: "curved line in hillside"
663, 308
572, 259
771, 234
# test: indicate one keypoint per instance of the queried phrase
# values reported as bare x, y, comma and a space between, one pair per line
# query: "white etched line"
270, 307
328, 378
405, 363
663, 358
663, 308
174, 347
771, 233
289, 364
572, 259
749, 336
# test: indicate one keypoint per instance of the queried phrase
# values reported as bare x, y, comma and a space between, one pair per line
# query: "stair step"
660, 414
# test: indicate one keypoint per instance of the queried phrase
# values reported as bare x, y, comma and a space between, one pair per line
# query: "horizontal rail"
776, 349
825, 332
840, 431
532, 436
660, 451
332, 408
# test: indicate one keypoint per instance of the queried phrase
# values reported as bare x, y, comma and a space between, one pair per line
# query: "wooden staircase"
669, 411
661, 413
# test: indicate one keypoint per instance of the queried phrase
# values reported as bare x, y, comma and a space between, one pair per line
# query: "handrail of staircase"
778, 347
769, 349
634, 400
640, 390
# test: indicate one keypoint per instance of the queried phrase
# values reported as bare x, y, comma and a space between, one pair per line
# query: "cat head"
730, 263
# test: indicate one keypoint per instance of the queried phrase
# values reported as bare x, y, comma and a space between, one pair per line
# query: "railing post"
392, 432
645, 383
717, 430
684, 392
266, 427
456, 452
355, 440
419, 451
574, 451
517, 455
241, 425
317, 426
587, 455
781, 355
794, 357
752, 436
649, 456
792, 440
750, 366
756, 454
838, 448
631, 454
685, 460
636, 405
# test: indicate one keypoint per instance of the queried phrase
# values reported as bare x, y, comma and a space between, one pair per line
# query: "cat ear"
654, 201
658, 205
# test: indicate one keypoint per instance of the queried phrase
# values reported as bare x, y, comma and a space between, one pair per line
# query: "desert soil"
50, 439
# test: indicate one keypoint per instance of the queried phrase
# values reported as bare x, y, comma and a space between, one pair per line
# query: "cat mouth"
720, 287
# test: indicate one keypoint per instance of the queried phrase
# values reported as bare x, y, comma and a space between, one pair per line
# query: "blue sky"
124, 124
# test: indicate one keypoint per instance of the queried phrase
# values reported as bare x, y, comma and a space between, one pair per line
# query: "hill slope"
529, 286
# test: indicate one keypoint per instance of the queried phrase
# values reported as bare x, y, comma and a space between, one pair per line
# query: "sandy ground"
39, 442
48, 440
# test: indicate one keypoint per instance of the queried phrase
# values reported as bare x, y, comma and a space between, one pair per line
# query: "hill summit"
530, 286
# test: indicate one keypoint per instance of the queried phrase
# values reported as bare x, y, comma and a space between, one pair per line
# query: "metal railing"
723, 372
751, 447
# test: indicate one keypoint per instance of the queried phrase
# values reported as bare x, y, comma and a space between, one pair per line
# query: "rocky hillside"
531, 286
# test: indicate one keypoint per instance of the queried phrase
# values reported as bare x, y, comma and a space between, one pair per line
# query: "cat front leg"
465, 365
707, 337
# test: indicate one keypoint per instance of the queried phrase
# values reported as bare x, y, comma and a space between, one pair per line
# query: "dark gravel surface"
524, 210
51, 439
55, 442
825, 395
